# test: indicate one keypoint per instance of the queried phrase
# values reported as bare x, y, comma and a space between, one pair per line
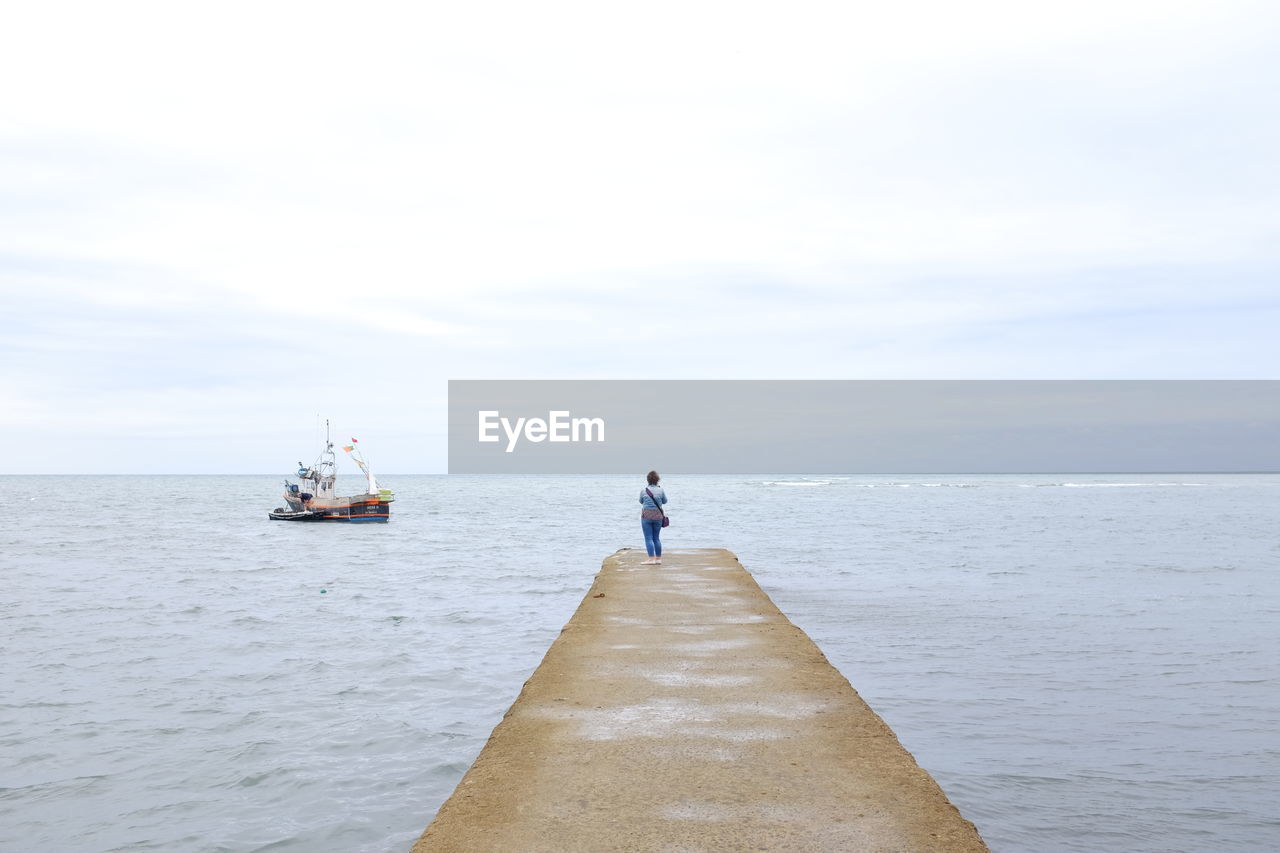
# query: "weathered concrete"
680, 711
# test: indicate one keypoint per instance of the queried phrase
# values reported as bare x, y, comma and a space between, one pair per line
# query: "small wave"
1122, 485
1105, 485
797, 482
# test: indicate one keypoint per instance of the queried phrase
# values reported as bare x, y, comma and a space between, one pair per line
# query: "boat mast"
325, 468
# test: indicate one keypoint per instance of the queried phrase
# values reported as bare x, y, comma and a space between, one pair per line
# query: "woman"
652, 497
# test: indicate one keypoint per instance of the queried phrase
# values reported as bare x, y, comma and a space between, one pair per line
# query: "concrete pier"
681, 711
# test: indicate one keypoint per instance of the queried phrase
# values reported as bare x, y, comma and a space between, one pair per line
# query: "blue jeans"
652, 530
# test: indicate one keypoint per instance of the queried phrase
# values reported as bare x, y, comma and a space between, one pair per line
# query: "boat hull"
358, 509
282, 514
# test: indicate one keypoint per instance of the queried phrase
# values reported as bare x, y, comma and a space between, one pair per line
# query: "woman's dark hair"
653, 478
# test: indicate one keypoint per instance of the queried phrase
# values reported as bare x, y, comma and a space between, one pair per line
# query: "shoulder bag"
666, 519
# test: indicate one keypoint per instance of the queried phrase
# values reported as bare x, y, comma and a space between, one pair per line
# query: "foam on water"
1083, 662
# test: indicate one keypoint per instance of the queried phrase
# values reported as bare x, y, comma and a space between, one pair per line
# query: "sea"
1083, 662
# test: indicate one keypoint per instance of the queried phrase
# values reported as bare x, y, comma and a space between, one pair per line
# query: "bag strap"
655, 501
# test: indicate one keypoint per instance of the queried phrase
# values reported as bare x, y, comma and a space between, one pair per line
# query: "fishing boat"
314, 496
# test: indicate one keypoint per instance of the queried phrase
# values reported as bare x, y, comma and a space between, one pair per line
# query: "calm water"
1084, 663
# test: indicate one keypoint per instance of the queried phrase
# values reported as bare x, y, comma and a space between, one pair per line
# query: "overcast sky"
217, 225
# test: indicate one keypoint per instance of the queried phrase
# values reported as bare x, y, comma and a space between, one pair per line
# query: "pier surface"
681, 711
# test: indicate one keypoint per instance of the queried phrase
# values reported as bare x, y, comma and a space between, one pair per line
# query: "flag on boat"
348, 448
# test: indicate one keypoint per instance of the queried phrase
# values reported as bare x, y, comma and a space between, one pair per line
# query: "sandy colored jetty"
680, 711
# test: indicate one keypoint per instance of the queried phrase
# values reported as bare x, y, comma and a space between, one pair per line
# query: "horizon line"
683, 474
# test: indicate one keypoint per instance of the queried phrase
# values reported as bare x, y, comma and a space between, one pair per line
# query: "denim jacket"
647, 502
